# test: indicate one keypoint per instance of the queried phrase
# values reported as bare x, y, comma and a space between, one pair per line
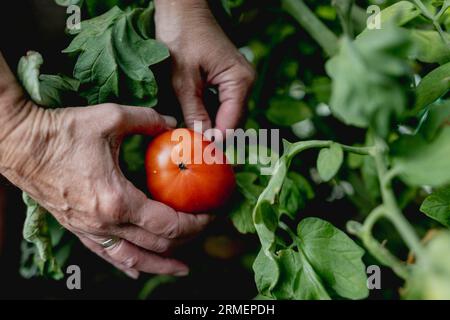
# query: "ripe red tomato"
187, 173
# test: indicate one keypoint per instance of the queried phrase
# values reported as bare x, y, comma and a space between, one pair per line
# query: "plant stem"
424, 9
390, 174
441, 33
376, 249
392, 211
289, 231
344, 11
442, 11
316, 28
364, 151
435, 19
304, 145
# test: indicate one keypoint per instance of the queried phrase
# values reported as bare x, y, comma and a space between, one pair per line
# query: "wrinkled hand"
203, 55
67, 160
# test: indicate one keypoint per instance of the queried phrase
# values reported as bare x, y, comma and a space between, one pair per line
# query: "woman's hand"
67, 160
203, 55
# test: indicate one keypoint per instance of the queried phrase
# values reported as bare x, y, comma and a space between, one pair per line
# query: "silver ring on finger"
110, 242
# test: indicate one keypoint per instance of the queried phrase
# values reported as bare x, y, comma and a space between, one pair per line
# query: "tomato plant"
183, 183
368, 90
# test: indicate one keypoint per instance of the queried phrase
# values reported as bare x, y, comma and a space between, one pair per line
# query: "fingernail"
183, 273
170, 121
133, 274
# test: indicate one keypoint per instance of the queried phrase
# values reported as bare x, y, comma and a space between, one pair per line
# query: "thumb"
189, 90
141, 120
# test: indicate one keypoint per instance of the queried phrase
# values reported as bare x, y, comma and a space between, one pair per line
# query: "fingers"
144, 239
124, 120
130, 256
141, 120
234, 87
100, 251
188, 86
163, 221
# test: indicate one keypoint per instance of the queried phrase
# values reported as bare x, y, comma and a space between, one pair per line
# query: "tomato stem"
392, 210
182, 166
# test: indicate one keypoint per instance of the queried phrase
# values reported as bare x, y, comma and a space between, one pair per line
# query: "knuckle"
131, 261
111, 206
153, 117
179, 85
116, 114
161, 245
197, 115
117, 253
95, 226
172, 230
248, 75
204, 221
184, 85
167, 268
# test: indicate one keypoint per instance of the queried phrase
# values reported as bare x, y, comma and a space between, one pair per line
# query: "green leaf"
294, 193
241, 212
133, 153
265, 216
247, 185
285, 111
302, 184
436, 118
153, 283
97, 7
230, 5
265, 219
429, 46
266, 273
370, 178
134, 56
334, 257
290, 198
437, 206
114, 58
433, 86
55, 89
92, 29
45, 90
241, 216
330, 161
35, 227
297, 279
429, 281
41, 253
38, 258
420, 162
28, 71
367, 79
399, 14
